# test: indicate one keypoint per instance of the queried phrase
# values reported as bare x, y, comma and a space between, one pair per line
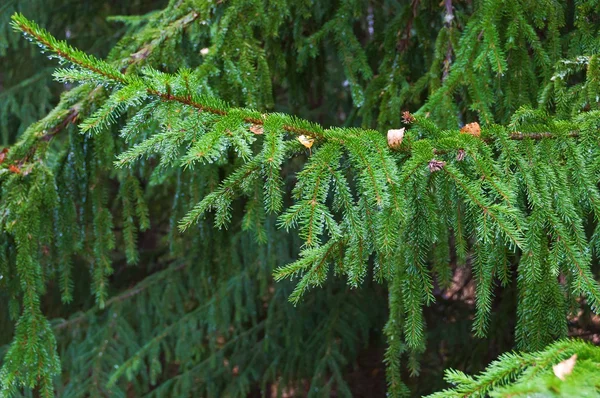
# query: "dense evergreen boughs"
173, 183
27, 90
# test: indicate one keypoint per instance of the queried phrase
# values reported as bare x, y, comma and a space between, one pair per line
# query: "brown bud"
306, 141
460, 155
257, 129
471, 128
407, 118
394, 137
3, 154
436, 165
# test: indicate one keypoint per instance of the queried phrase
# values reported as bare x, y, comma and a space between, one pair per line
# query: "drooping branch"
108, 72
127, 294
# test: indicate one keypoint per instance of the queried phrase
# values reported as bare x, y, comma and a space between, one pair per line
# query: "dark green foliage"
27, 90
169, 185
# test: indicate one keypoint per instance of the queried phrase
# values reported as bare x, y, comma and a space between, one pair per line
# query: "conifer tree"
185, 222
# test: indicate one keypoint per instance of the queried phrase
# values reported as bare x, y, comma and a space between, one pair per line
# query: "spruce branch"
103, 69
510, 371
47, 42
